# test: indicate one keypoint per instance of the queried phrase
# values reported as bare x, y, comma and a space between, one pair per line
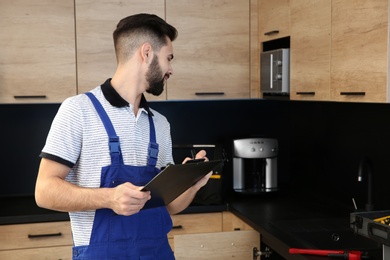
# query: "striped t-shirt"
78, 139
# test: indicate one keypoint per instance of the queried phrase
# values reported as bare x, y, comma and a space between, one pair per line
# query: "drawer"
49, 253
196, 223
233, 223
35, 235
217, 245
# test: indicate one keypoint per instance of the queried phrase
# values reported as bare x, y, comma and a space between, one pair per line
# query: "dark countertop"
269, 214
21, 210
264, 213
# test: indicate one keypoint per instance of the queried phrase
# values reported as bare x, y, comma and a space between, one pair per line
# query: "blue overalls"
139, 236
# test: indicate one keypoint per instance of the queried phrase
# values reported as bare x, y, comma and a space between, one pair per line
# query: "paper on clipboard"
174, 180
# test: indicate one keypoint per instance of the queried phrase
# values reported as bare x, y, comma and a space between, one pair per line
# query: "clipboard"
176, 179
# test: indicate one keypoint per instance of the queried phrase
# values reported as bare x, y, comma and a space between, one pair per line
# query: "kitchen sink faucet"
366, 166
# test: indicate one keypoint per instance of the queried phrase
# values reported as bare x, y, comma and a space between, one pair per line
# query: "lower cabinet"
219, 235
232, 223
56, 252
194, 224
212, 236
51, 240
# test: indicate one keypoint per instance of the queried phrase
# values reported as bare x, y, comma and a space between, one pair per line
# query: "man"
104, 146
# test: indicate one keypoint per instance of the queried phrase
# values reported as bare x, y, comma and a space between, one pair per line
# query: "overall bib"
139, 236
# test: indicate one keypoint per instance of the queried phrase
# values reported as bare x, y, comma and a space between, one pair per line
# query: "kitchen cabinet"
39, 64
232, 223
212, 51
194, 224
274, 19
51, 240
359, 52
222, 245
210, 61
339, 50
310, 49
37, 51
95, 22
255, 49
221, 235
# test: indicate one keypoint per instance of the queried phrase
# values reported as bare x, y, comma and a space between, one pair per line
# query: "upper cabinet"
359, 54
212, 51
37, 51
339, 50
274, 19
310, 49
53, 49
95, 22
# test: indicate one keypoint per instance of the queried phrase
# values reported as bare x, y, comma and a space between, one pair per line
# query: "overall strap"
153, 145
113, 139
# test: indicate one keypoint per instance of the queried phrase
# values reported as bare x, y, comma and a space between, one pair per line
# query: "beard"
154, 78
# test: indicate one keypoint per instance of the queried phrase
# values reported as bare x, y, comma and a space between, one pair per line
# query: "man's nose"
170, 70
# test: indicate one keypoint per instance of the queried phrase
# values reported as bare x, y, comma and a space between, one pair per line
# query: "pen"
193, 153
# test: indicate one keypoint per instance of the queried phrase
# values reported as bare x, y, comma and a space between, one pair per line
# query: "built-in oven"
275, 72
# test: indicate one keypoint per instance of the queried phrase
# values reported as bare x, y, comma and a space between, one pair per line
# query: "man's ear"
146, 52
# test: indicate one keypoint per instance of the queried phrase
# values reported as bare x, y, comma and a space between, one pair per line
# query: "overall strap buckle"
114, 144
152, 153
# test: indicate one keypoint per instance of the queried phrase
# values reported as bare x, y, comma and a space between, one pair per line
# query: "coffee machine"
255, 165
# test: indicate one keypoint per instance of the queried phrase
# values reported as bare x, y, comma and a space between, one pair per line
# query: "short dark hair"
132, 30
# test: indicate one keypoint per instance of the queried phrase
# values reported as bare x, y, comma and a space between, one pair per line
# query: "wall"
332, 139
320, 143
23, 132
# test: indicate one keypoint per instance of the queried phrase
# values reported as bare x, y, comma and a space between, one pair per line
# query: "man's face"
157, 74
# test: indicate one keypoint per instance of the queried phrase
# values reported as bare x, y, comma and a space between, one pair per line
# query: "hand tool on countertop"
350, 255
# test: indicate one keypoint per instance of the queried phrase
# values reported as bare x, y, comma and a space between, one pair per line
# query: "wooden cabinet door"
37, 51
54, 253
217, 246
212, 49
274, 19
95, 22
35, 235
194, 224
359, 56
50, 240
310, 49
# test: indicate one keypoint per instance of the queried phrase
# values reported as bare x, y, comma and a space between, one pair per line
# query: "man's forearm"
182, 202
60, 195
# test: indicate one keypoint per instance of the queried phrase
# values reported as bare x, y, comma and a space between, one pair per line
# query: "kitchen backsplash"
320, 143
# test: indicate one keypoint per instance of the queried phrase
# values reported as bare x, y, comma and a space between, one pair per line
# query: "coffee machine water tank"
255, 165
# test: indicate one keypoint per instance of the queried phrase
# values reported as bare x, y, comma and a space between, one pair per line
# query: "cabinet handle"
271, 32
177, 227
45, 235
311, 93
353, 93
30, 96
209, 93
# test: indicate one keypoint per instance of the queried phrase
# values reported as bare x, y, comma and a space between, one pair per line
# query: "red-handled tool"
350, 255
